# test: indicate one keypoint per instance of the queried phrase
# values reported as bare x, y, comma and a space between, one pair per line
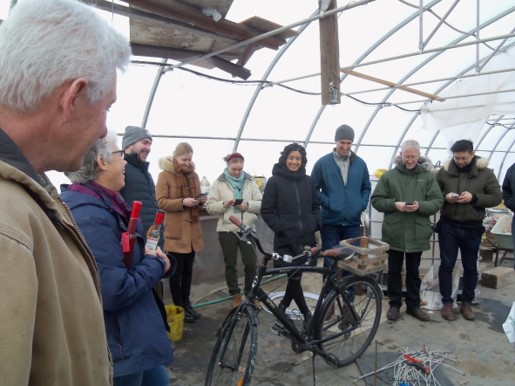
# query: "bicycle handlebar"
248, 231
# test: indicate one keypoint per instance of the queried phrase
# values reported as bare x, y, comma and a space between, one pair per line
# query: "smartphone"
200, 196
408, 203
237, 202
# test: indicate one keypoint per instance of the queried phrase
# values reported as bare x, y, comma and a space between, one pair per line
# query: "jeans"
157, 376
180, 281
453, 237
413, 281
230, 244
332, 235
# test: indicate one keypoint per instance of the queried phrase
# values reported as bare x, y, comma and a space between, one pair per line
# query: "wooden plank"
330, 58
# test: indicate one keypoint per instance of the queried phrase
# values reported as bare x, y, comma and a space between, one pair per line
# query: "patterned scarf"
186, 187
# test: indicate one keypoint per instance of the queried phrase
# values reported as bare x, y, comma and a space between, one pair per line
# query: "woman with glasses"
408, 195
135, 327
178, 194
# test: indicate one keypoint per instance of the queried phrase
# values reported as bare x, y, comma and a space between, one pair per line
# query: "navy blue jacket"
139, 185
342, 204
135, 329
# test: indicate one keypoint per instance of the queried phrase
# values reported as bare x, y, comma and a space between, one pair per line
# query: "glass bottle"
154, 232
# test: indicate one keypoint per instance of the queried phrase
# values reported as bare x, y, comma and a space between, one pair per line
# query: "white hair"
89, 171
45, 43
410, 144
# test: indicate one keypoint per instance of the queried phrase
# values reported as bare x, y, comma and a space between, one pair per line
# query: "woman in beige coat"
235, 193
177, 193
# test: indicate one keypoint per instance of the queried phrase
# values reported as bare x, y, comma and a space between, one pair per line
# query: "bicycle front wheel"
349, 320
234, 354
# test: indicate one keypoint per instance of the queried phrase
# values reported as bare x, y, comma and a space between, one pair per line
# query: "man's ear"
71, 95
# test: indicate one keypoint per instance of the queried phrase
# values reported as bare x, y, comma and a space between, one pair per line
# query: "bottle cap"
159, 217
136, 208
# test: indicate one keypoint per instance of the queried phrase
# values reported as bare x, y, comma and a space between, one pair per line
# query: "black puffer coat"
139, 185
291, 209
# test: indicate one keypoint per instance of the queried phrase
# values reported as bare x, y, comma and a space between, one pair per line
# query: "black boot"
189, 309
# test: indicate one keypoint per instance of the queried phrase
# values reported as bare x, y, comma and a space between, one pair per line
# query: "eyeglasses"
121, 152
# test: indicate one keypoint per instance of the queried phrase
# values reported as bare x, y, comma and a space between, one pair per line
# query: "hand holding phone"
408, 203
200, 196
237, 202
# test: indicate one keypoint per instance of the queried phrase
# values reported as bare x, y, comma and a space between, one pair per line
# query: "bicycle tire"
342, 335
234, 354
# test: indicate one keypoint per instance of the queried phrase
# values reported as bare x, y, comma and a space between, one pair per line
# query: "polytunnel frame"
163, 68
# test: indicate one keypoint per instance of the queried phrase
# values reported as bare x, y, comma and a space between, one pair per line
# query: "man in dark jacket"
468, 187
508, 194
343, 184
139, 184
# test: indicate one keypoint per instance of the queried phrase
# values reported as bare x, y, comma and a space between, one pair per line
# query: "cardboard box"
496, 277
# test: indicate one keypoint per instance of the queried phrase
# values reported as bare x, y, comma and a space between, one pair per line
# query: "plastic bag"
175, 317
430, 289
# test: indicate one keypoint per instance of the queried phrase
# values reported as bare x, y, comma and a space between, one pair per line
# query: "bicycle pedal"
278, 328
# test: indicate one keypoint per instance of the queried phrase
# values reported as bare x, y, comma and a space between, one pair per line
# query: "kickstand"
314, 372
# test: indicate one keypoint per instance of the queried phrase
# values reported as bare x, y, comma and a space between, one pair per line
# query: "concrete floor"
483, 352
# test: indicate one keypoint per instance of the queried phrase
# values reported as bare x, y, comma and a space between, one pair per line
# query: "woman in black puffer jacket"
291, 209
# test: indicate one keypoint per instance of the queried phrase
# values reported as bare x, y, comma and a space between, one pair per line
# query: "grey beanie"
344, 132
134, 134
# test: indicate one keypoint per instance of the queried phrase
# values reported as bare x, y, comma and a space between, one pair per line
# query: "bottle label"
151, 243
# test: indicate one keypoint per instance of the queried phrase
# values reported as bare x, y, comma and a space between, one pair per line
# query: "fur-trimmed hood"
424, 161
481, 163
167, 164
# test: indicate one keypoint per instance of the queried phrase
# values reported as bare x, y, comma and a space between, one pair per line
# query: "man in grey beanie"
343, 184
139, 185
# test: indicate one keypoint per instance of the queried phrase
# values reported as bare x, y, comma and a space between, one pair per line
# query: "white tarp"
463, 116
509, 324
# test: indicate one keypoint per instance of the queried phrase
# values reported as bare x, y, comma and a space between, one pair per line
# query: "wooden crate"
369, 255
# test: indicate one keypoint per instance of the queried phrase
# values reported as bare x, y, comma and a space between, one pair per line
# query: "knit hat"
134, 134
344, 132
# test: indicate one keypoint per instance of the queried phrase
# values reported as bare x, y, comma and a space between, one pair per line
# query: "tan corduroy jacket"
51, 320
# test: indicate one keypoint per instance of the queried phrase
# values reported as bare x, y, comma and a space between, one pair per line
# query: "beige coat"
221, 191
52, 326
182, 224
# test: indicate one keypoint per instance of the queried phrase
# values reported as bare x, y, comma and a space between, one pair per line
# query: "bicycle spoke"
233, 358
346, 334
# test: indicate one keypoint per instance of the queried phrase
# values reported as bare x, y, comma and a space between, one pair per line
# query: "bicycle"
344, 322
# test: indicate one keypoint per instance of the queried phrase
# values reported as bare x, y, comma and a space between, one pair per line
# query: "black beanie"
344, 132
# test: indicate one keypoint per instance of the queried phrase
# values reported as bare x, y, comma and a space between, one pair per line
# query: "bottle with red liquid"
154, 232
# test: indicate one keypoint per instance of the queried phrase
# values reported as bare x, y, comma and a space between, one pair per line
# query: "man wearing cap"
139, 184
343, 184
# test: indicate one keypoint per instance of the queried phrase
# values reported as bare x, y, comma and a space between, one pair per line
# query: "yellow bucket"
175, 317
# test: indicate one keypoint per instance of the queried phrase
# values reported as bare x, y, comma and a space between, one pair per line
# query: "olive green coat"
403, 231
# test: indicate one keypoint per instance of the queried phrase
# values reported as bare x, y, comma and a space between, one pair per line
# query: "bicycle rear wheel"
233, 357
344, 332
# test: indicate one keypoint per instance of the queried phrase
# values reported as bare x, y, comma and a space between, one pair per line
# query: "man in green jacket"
469, 187
407, 195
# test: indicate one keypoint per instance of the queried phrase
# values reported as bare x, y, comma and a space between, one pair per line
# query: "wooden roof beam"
192, 16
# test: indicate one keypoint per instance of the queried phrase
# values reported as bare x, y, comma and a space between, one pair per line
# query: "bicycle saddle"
339, 253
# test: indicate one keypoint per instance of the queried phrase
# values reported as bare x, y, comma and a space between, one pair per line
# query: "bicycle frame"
306, 341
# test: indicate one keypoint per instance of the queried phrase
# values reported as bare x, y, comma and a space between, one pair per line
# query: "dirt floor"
483, 354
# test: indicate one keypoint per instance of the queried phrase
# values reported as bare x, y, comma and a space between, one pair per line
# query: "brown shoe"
236, 300
467, 312
393, 314
447, 312
419, 314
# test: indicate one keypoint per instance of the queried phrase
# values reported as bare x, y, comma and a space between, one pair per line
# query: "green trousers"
230, 245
